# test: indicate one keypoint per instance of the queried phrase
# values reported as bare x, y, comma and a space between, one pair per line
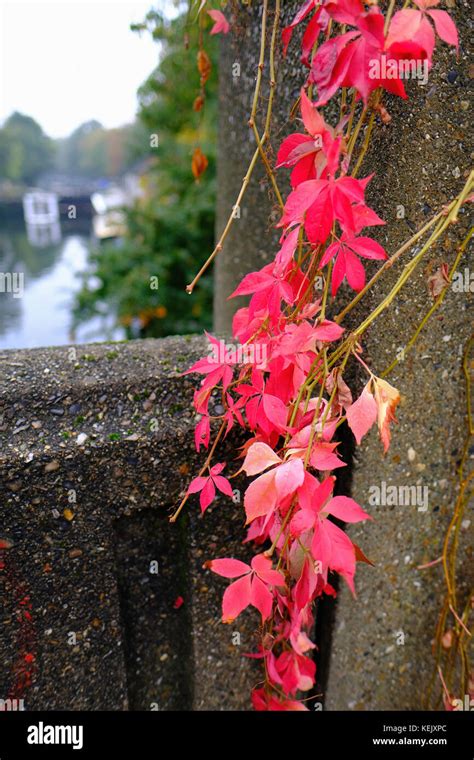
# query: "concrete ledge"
95, 448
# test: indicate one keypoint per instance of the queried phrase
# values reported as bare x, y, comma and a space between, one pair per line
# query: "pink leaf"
426, 37
259, 457
362, 414
285, 155
321, 545
342, 553
302, 521
236, 598
403, 26
313, 122
261, 496
276, 411
310, 37
346, 509
329, 253
345, 11
228, 568
207, 495
355, 272
338, 272
301, 199
197, 485
445, 27
217, 468
367, 248
261, 597
320, 217
263, 567
286, 252
327, 330
288, 30
324, 458
221, 25
323, 492
202, 433
288, 477
252, 283
223, 485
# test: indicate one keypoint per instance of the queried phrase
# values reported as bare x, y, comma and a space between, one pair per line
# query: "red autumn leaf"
251, 589
387, 398
204, 66
207, 486
199, 163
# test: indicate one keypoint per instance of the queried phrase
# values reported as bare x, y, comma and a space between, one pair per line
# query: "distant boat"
109, 221
40, 207
109, 226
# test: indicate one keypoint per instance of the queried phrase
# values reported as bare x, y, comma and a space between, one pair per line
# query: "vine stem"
465, 367
367, 136
220, 243
389, 263
358, 127
388, 17
411, 266
329, 404
450, 218
175, 516
260, 142
455, 614
435, 306
449, 556
351, 114
266, 133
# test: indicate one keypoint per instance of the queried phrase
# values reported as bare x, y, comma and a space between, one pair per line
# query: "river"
38, 278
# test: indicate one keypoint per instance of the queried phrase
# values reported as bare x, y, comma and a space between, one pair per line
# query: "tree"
25, 151
171, 229
93, 151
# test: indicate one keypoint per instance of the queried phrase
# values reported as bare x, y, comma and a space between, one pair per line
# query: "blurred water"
39, 314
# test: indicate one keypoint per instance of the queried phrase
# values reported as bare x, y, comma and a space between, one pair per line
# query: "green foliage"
170, 229
92, 151
25, 151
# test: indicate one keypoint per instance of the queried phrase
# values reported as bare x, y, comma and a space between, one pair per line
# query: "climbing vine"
283, 381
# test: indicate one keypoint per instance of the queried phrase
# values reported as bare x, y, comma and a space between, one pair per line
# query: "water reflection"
43, 235
50, 264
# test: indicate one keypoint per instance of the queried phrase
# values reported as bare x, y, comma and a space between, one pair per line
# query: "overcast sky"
70, 61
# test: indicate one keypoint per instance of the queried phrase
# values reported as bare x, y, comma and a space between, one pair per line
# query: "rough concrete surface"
421, 160
95, 449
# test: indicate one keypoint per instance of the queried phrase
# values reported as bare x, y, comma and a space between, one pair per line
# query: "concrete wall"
86, 517
421, 160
